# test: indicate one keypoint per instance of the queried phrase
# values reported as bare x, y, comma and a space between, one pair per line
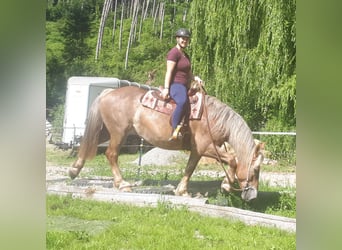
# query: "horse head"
248, 177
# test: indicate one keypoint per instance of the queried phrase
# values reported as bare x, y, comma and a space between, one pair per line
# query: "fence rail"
274, 133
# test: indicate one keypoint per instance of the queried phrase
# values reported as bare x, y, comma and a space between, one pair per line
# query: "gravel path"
161, 157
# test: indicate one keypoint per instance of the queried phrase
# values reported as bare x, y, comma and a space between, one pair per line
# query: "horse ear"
258, 160
260, 146
258, 155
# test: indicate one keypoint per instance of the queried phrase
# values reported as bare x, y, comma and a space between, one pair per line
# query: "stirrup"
176, 134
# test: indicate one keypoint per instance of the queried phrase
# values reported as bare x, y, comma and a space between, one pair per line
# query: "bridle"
247, 187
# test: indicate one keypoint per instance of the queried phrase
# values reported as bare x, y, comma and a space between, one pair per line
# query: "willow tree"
246, 52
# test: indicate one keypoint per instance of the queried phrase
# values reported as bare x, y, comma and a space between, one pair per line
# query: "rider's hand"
165, 93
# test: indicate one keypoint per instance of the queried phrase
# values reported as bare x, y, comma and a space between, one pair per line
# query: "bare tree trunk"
131, 9
135, 17
114, 20
155, 17
162, 12
153, 7
141, 19
121, 25
146, 8
185, 13
174, 11
106, 7
133, 24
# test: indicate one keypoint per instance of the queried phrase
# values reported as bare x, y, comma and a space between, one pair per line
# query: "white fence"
135, 144
274, 133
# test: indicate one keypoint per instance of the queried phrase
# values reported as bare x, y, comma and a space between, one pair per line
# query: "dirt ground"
59, 174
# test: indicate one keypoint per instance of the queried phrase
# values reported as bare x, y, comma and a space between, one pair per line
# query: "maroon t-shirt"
183, 66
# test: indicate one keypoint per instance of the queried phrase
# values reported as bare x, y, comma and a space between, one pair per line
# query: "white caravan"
80, 94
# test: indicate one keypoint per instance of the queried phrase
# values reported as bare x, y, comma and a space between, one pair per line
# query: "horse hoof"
226, 188
186, 194
73, 173
183, 193
125, 187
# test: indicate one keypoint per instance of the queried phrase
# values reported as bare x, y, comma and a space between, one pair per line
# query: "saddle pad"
153, 100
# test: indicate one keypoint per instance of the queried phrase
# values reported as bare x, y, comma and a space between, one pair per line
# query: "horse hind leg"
76, 168
112, 154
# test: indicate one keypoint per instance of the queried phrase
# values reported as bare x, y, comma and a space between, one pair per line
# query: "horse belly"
154, 127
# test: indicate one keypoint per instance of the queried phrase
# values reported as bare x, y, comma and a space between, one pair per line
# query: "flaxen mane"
237, 133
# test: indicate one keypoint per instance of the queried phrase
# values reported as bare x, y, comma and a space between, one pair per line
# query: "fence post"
141, 147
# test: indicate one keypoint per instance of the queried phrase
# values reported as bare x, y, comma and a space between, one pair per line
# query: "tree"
76, 28
246, 53
105, 10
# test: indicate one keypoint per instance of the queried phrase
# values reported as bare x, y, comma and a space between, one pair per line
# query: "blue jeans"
179, 94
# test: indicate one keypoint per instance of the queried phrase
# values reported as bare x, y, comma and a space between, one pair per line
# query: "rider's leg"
178, 93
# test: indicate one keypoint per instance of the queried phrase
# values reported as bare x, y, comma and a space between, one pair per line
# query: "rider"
178, 78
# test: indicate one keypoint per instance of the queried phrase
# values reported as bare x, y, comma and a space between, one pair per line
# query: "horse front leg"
228, 181
224, 154
182, 188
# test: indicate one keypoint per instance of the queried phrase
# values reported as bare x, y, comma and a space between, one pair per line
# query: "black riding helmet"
182, 32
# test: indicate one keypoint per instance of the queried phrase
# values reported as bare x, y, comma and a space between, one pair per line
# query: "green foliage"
57, 115
280, 147
75, 29
55, 65
286, 205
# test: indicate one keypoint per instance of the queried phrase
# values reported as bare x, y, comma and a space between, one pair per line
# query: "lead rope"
202, 90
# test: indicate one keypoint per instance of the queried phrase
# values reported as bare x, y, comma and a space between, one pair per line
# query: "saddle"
153, 100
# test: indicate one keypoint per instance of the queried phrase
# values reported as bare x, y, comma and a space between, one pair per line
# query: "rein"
202, 90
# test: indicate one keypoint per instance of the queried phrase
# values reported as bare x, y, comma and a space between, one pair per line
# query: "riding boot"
176, 133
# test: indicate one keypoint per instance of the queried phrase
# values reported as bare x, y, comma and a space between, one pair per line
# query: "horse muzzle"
249, 193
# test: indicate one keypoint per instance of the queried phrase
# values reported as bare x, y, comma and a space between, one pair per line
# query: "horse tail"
94, 126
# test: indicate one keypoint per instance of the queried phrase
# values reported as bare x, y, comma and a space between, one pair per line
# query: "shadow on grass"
265, 202
212, 191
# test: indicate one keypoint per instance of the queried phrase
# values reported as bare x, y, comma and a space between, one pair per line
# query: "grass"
79, 224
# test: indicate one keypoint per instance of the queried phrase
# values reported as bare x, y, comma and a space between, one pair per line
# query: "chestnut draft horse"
116, 113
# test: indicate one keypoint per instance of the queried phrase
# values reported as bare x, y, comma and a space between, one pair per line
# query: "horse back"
120, 105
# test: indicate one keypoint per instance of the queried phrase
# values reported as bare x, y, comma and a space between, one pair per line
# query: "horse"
117, 113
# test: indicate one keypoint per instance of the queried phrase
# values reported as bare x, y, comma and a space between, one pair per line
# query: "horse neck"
230, 125
241, 139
